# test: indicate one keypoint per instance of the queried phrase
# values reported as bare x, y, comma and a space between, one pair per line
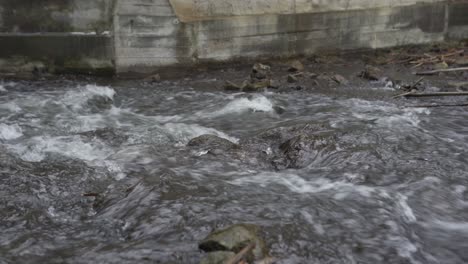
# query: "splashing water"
103, 174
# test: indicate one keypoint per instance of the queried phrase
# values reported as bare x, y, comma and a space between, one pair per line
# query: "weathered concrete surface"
190, 10
26, 16
56, 35
144, 35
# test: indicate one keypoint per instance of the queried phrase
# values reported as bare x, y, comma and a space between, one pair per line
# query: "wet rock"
339, 79
301, 150
279, 110
235, 238
99, 103
213, 142
217, 257
109, 135
296, 66
440, 66
260, 71
230, 86
371, 73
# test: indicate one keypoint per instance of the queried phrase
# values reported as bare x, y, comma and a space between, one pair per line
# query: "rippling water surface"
103, 174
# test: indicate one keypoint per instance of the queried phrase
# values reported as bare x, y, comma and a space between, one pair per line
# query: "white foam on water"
405, 209
9, 132
451, 226
297, 184
386, 114
183, 133
77, 98
11, 106
241, 105
37, 148
3, 89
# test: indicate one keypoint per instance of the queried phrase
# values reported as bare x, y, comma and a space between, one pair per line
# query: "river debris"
438, 94
235, 244
437, 105
433, 72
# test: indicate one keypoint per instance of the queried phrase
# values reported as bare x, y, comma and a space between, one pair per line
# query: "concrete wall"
56, 35
151, 34
144, 35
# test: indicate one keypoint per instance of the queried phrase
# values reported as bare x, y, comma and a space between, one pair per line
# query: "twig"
239, 256
417, 82
435, 94
433, 106
442, 70
403, 94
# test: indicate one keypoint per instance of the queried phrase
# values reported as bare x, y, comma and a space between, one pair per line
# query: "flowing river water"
103, 174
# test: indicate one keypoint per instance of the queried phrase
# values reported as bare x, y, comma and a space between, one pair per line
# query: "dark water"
96, 174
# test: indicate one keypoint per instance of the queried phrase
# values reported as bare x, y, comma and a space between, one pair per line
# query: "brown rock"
371, 73
296, 66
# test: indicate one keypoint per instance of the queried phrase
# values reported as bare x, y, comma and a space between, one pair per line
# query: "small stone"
235, 238
230, 86
295, 66
440, 66
217, 257
340, 79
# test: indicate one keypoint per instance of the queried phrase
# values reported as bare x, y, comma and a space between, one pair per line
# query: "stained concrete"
145, 35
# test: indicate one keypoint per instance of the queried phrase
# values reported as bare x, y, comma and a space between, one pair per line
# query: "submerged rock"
234, 239
212, 141
301, 150
217, 257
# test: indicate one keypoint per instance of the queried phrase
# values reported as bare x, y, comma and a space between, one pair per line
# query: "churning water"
103, 174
